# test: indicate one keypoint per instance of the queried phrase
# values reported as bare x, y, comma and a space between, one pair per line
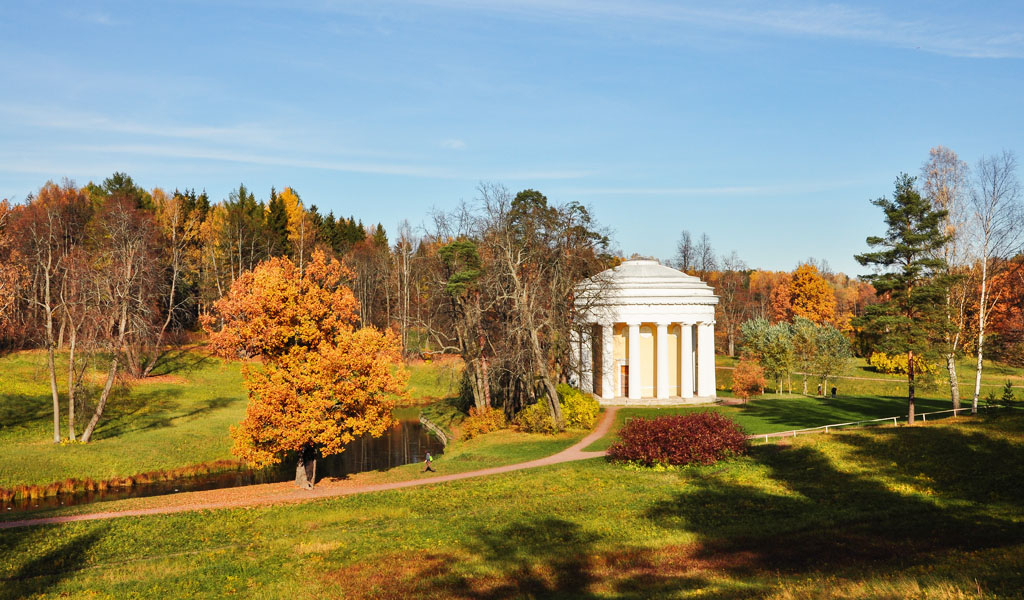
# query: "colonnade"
695, 354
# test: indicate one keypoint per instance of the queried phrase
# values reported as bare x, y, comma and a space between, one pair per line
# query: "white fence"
885, 420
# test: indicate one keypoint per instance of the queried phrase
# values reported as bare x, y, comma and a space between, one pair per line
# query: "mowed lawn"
934, 511
180, 417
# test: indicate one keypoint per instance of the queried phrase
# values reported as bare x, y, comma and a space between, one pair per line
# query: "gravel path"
280, 493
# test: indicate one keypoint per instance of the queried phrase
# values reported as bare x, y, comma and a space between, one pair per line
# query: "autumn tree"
748, 379
909, 277
12, 273
323, 382
811, 296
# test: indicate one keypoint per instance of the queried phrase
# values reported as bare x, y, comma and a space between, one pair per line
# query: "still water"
406, 442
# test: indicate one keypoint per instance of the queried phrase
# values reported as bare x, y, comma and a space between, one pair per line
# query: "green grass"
430, 381
887, 512
177, 419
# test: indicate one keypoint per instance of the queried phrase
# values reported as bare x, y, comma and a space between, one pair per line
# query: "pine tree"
277, 226
911, 318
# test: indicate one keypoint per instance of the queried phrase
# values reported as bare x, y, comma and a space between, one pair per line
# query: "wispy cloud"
980, 38
91, 18
371, 168
57, 118
453, 144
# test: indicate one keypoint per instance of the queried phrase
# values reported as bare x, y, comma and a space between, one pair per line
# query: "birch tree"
945, 185
997, 234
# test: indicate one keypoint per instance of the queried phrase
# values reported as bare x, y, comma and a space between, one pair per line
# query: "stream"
406, 442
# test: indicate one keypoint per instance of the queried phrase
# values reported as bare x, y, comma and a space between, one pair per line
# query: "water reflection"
406, 442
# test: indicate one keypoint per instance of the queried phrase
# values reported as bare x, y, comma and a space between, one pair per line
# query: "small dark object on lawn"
833, 391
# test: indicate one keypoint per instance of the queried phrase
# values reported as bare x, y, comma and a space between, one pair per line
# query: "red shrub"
702, 437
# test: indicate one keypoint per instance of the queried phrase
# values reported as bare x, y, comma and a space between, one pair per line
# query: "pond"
406, 442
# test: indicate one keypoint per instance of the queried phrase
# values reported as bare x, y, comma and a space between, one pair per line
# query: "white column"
633, 357
608, 390
686, 360
587, 358
706, 359
661, 357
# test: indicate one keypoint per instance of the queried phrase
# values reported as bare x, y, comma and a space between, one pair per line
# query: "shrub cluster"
702, 437
897, 364
479, 423
535, 418
579, 409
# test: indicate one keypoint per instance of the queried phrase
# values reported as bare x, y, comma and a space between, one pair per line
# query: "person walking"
429, 464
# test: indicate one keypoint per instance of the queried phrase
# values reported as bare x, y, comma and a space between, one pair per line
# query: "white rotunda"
646, 335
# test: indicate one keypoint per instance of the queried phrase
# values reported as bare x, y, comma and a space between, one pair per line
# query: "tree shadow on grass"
42, 574
543, 558
178, 360
148, 410
829, 518
17, 410
815, 412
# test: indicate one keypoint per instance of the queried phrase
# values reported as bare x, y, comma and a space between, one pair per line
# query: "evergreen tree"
277, 226
909, 279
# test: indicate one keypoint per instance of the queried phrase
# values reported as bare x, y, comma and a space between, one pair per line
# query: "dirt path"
280, 493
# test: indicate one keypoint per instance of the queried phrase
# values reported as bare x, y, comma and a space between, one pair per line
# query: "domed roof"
645, 281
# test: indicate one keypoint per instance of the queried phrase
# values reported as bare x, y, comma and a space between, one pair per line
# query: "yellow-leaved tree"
322, 382
812, 296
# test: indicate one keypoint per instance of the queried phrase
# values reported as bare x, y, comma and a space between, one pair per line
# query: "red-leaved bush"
702, 437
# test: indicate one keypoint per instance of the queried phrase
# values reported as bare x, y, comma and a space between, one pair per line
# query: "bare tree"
945, 179
50, 227
996, 224
732, 293
705, 257
123, 244
685, 252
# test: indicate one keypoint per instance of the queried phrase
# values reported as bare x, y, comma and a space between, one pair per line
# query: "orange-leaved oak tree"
323, 382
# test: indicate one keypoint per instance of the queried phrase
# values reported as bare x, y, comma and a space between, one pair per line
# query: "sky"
768, 126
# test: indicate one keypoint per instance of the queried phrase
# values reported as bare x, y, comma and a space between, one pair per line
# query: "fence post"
894, 422
924, 417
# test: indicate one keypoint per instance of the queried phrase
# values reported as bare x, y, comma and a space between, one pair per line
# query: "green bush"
535, 418
479, 423
580, 410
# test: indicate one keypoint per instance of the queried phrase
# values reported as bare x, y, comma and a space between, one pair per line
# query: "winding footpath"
284, 493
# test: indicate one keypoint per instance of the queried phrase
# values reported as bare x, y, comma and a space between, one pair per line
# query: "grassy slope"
929, 511
179, 419
176, 420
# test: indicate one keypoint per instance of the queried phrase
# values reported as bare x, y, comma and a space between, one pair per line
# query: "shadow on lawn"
807, 411
839, 519
146, 410
542, 558
24, 409
44, 573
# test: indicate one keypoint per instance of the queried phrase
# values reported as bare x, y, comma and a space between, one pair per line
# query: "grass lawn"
930, 511
179, 418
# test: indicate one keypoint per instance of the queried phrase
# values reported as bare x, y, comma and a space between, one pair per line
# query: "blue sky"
769, 126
